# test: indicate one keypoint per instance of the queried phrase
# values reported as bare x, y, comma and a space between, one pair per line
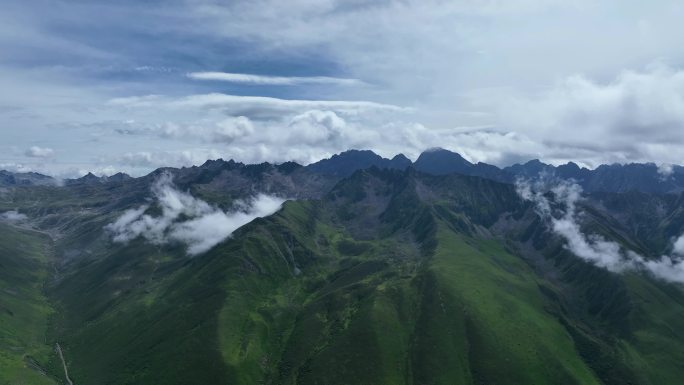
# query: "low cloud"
563, 216
147, 160
13, 216
665, 170
272, 80
187, 220
39, 152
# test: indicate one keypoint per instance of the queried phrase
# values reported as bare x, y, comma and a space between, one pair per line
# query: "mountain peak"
89, 176
347, 162
439, 161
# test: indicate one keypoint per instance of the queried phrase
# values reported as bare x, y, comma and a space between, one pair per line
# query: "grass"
24, 309
502, 328
657, 345
328, 292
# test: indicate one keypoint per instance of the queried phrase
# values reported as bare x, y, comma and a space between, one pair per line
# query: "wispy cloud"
187, 220
562, 214
250, 106
272, 80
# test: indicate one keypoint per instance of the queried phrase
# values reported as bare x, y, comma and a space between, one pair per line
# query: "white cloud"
148, 160
665, 170
667, 268
594, 248
187, 220
317, 127
39, 152
639, 116
678, 246
13, 216
250, 106
17, 167
223, 130
272, 80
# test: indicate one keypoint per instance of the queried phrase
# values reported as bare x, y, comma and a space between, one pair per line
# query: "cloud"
254, 107
678, 246
187, 220
638, 116
272, 80
39, 152
222, 131
437, 60
316, 127
667, 268
147, 160
563, 216
665, 170
593, 248
13, 216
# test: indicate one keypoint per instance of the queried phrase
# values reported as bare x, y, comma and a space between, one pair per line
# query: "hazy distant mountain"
607, 178
24, 178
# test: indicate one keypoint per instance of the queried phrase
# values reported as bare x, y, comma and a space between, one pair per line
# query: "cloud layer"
187, 220
594, 248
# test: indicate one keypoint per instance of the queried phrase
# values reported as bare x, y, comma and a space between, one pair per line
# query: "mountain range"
645, 177
356, 269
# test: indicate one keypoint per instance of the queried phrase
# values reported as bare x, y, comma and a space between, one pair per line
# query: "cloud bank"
593, 248
637, 116
187, 220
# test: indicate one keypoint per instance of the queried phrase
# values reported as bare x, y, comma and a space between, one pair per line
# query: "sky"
133, 85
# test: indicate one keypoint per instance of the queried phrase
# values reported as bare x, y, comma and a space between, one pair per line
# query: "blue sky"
134, 85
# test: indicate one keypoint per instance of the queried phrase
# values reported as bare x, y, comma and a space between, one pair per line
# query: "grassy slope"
332, 318
474, 314
495, 321
656, 348
461, 310
24, 309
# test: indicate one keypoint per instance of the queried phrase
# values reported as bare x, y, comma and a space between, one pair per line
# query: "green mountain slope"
25, 351
391, 277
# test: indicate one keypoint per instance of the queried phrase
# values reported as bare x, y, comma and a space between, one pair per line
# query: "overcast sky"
132, 85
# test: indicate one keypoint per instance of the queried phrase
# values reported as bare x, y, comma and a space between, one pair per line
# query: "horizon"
663, 168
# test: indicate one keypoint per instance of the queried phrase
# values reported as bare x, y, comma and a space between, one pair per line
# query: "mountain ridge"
645, 177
